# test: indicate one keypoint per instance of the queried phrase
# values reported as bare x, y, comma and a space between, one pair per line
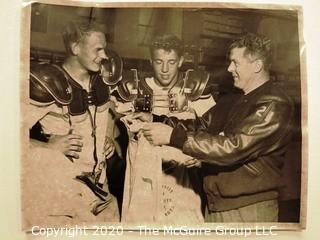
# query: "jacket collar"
259, 89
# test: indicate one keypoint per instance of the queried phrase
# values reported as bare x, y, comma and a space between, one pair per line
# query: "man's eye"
172, 62
236, 63
158, 61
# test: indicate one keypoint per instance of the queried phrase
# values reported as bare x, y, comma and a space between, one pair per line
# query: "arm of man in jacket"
257, 134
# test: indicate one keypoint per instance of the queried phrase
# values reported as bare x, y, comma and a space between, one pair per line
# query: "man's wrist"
178, 137
157, 118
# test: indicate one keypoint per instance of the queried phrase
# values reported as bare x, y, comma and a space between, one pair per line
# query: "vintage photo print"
162, 117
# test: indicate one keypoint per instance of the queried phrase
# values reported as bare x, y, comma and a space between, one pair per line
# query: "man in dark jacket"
242, 158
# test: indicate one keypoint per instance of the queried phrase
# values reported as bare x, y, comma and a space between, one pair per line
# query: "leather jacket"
242, 147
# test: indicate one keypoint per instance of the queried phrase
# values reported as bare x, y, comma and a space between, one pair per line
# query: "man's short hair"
256, 45
167, 42
75, 32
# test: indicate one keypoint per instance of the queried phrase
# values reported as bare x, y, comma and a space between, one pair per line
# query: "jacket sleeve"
180, 127
213, 120
268, 124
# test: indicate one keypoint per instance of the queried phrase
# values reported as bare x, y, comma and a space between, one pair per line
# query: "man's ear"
258, 66
150, 60
181, 61
75, 48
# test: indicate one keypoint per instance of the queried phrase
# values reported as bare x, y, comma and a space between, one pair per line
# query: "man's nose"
102, 54
164, 68
230, 67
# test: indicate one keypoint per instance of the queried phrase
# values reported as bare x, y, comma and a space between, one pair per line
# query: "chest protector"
50, 83
190, 85
98, 95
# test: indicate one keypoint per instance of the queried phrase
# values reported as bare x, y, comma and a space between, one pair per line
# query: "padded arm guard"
196, 82
111, 68
49, 84
128, 87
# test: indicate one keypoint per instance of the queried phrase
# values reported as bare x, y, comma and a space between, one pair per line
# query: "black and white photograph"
162, 115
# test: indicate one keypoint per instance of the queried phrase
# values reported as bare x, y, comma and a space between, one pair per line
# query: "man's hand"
122, 108
142, 116
108, 148
70, 145
192, 163
157, 133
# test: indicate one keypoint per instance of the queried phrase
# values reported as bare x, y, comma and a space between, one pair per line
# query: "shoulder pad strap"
49, 84
195, 82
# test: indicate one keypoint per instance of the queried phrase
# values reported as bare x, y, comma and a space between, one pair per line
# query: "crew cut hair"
167, 42
74, 32
256, 45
